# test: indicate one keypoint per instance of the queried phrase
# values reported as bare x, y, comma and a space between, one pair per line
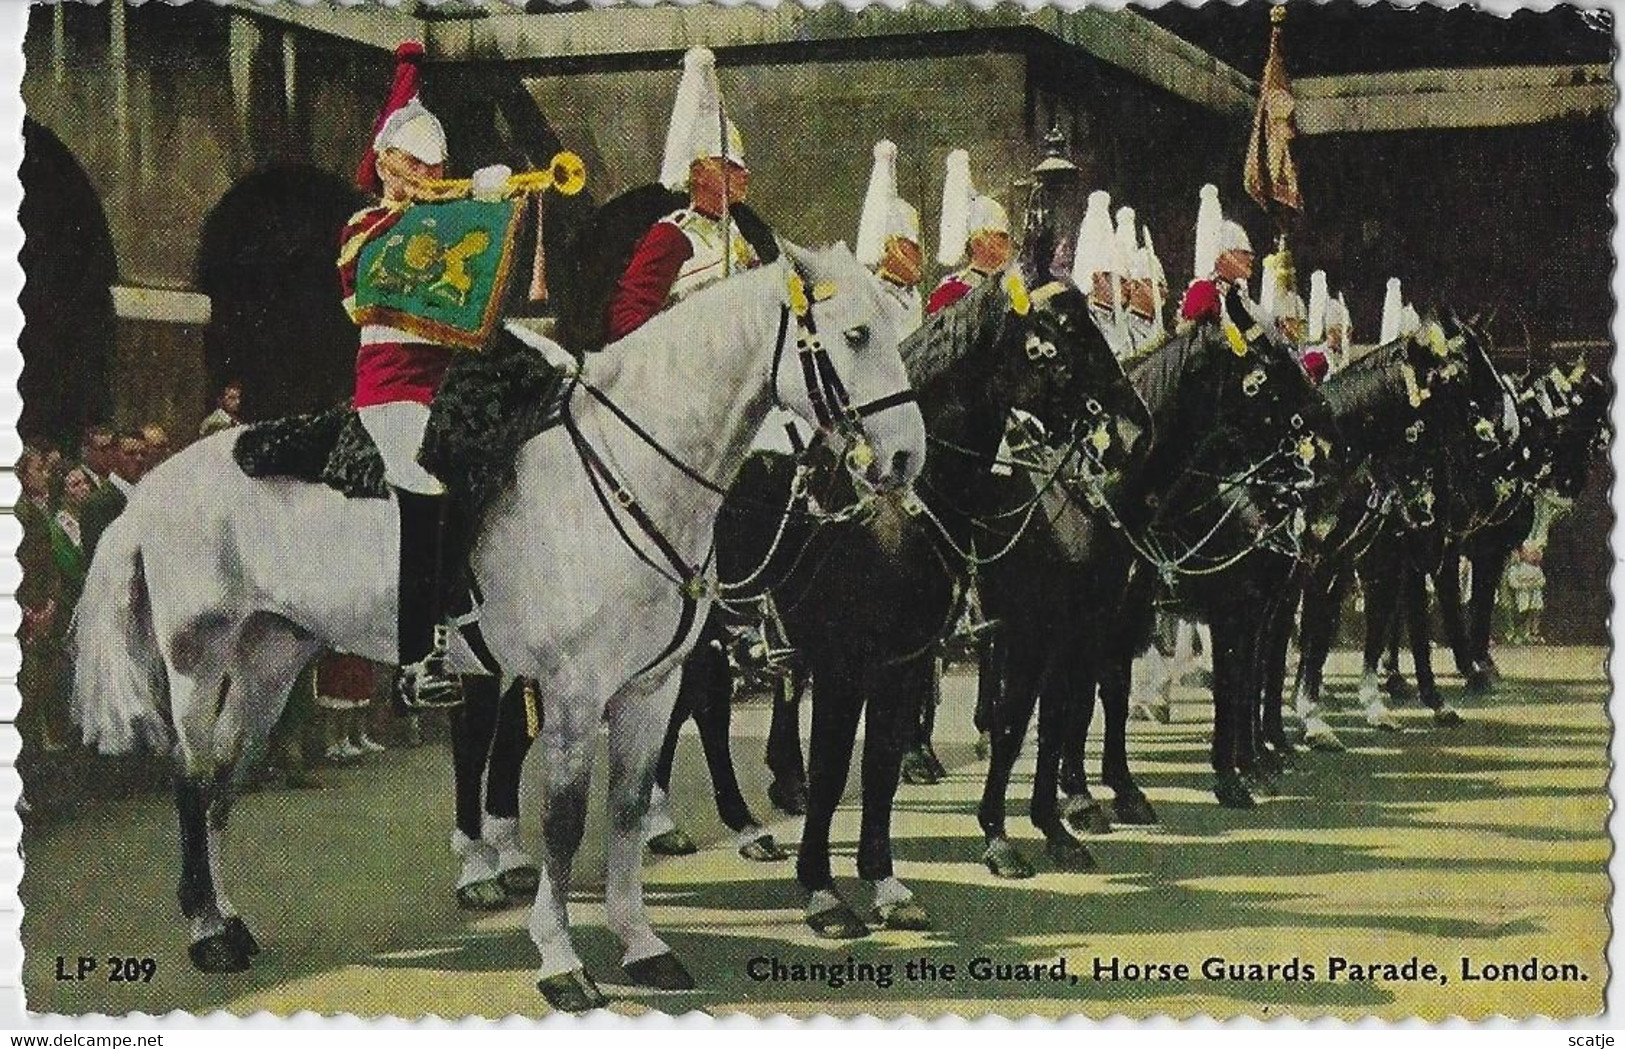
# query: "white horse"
214, 589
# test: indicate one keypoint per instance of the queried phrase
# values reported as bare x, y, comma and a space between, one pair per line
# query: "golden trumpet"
565, 174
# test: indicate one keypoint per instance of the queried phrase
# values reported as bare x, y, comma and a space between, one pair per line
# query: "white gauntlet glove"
491, 182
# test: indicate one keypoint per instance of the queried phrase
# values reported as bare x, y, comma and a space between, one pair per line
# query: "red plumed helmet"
403, 122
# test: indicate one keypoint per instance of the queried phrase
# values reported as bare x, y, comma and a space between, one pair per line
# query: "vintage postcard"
547, 508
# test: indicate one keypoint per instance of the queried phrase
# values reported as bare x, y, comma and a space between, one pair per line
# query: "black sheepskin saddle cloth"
490, 404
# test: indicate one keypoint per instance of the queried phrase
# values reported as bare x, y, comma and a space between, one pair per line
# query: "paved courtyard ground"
1487, 842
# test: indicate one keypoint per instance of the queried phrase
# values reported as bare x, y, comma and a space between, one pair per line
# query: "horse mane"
1367, 392
1156, 375
951, 335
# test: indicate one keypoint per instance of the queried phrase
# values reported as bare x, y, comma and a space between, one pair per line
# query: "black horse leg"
1277, 638
788, 790
1447, 587
837, 706
1129, 803
1228, 787
989, 690
886, 730
1074, 685
1064, 850
214, 948
510, 743
1381, 580
1014, 716
916, 683
708, 680
473, 725
1488, 568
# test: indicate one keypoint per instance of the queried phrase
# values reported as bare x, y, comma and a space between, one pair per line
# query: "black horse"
1390, 404
1563, 418
866, 598
1470, 436
1242, 438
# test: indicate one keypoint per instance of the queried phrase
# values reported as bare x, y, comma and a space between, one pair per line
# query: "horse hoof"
763, 850
1069, 855
1445, 717
1003, 859
1090, 817
663, 972
1398, 688
907, 916
788, 798
840, 922
1478, 681
1132, 807
488, 895
218, 954
1261, 782
938, 770
1231, 792
673, 843
238, 933
572, 992
520, 882
917, 771
1323, 739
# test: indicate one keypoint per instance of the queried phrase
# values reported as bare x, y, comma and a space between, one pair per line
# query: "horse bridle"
831, 403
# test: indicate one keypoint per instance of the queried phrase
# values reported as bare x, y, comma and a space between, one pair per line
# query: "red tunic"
951, 290
1202, 301
646, 285
386, 370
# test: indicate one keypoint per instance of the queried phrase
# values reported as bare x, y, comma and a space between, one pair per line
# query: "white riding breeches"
397, 429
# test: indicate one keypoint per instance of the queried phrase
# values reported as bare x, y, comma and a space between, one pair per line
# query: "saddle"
490, 404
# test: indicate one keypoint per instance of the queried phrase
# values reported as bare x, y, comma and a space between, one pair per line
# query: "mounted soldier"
706, 241
1100, 269
889, 238
1224, 262
1147, 294
974, 235
398, 372
1280, 301
1328, 332
1399, 318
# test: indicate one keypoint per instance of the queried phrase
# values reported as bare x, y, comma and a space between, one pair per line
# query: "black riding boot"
424, 680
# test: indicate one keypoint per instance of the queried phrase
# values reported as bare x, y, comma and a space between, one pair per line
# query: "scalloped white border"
15, 1018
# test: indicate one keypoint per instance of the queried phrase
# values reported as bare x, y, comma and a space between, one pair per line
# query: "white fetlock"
502, 834
1368, 690
1377, 715
1304, 704
822, 900
479, 859
1319, 735
889, 892
658, 820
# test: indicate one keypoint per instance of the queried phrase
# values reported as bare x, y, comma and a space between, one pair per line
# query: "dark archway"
69, 266
267, 262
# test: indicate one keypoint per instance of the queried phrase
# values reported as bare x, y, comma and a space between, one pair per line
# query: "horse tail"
118, 673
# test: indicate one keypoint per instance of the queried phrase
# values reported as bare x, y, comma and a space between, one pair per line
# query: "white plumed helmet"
957, 191
1097, 242
698, 127
1392, 304
885, 214
1128, 244
1209, 219
1319, 302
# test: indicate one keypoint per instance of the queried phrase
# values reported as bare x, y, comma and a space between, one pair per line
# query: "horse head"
1093, 397
1487, 426
847, 377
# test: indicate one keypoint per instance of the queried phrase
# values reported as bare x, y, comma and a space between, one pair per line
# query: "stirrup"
426, 684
